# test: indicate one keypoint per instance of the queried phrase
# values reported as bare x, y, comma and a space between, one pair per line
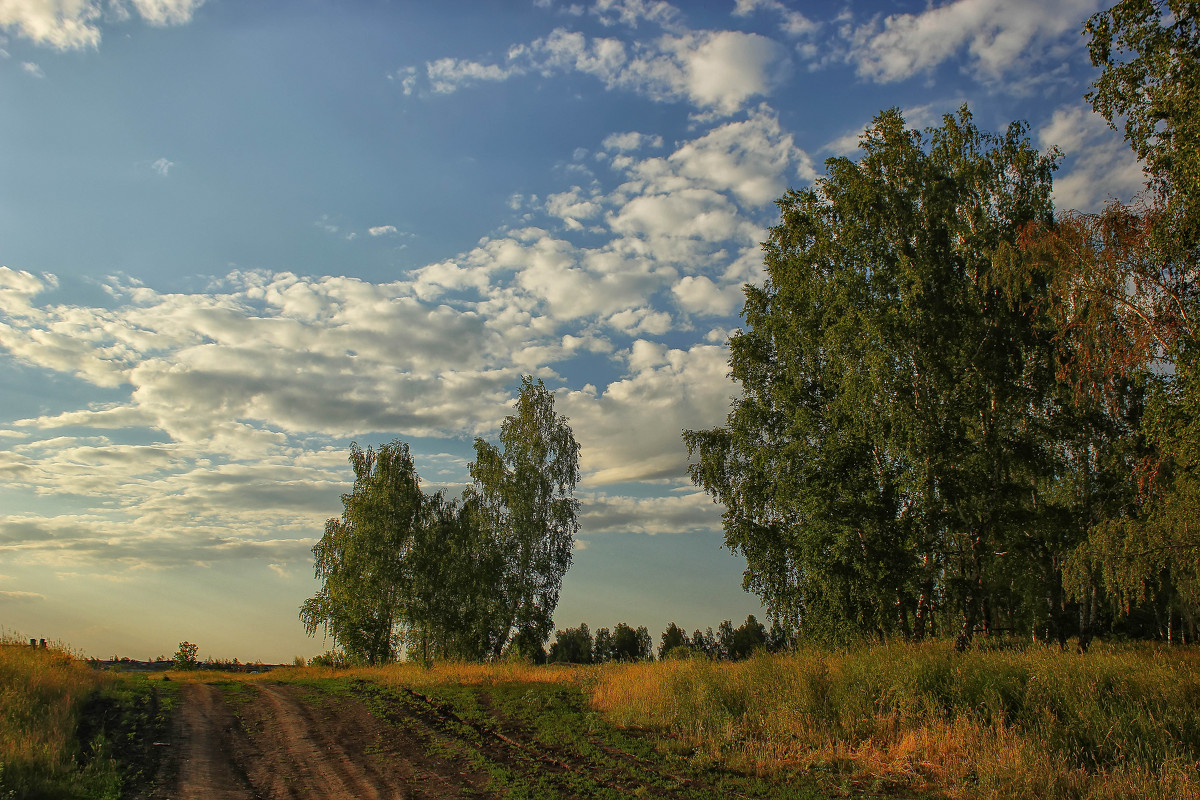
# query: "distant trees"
467, 578
185, 656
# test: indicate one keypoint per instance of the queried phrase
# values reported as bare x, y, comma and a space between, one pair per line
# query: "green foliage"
185, 656
523, 498
888, 436
1149, 54
469, 578
361, 558
572, 646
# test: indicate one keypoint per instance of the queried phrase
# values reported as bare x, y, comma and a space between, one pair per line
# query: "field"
898, 720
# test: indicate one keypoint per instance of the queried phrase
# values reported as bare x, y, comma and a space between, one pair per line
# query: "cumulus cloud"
75, 24
382, 230
1100, 165
999, 37
631, 430
631, 141
792, 22
719, 71
690, 512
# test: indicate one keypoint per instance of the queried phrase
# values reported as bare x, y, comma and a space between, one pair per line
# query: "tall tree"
524, 497
361, 558
1125, 287
886, 438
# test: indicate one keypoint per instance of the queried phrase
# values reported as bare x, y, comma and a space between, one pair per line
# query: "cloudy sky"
236, 237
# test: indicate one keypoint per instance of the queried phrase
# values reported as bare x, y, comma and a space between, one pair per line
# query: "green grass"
1014, 723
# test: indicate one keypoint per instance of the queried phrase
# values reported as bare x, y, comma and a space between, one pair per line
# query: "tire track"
308, 758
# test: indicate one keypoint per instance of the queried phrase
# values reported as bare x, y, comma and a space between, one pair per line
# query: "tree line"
473, 577
962, 412
625, 644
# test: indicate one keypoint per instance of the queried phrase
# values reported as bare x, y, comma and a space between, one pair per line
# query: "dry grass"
1035, 723
41, 692
1117, 723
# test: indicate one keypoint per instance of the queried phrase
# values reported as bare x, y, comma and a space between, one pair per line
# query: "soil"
271, 741
357, 739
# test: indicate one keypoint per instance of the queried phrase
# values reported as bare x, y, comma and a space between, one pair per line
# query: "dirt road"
262, 742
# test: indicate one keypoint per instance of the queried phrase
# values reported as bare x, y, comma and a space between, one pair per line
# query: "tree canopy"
466, 578
884, 446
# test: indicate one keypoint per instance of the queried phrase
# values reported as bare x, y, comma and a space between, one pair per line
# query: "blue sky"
236, 237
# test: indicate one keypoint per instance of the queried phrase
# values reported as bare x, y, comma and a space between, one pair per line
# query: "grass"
1120, 722
42, 693
68, 731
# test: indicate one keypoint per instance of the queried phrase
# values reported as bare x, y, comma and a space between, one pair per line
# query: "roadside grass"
41, 694
1119, 722
891, 720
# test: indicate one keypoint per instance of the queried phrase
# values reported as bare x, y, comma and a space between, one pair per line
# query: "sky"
236, 237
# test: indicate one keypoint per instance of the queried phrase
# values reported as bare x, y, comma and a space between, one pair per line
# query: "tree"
1149, 54
572, 646
890, 429
523, 497
602, 647
470, 578
750, 636
1128, 281
185, 656
673, 637
361, 558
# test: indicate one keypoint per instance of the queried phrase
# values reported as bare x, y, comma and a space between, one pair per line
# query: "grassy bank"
68, 731
1120, 722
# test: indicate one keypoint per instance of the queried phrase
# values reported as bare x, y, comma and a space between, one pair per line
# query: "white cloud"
631, 430
793, 23
13, 597
1000, 37
686, 513
631, 141
382, 230
162, 166
450, 74
1100, 166
718, 71
167, 12
632, 12
33, 69
74, 24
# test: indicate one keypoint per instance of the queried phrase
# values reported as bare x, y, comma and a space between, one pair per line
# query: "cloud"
793, 23
74, 24
631, 141
683, 513
13, 597
633, 12
630, 431
1000, 37
162, 167
719, 71
450, 74
382, 230
33, 69
1100, 166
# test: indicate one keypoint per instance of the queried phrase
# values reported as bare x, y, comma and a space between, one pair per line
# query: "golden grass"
1028, 724
1037, 723
41, 692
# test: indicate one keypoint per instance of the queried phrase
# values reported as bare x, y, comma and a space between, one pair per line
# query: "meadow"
907, 720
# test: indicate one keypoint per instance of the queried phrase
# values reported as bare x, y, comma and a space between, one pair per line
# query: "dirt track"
283, 741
